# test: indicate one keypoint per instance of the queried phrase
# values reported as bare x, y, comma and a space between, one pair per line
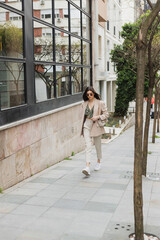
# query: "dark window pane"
11, 34
76, 79
75, 50
86, 78
61, 46
43, 42
61, 14
86, 5
13, 3
12, 90
86, 26
44, 82
62, 81
75, 21
43, 10
86, 53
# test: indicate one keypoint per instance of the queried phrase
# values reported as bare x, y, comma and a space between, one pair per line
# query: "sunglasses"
89, 94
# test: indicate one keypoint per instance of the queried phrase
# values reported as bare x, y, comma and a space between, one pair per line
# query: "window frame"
31, 107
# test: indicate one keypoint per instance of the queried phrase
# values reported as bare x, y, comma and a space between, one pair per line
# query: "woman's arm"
104, 113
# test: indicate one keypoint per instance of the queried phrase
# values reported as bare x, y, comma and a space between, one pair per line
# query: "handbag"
101, 123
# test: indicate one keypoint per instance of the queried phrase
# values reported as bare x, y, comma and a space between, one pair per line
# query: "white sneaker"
86, 171
97, 167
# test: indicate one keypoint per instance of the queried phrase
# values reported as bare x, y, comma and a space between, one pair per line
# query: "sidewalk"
61, 204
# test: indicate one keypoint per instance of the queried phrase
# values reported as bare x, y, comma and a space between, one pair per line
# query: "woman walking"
94, 112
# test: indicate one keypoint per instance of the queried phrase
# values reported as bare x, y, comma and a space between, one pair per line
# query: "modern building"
45, 63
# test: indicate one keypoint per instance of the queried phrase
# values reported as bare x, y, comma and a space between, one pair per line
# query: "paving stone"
78, 237
9, 233
30, 210
100, 207
8, 198
114, 186
41, 201
17, 221
7, 207
44, 180
72, 204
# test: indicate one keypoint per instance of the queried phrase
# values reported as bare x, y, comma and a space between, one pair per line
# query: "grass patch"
157, 136
149, 152
67, 158
1, 190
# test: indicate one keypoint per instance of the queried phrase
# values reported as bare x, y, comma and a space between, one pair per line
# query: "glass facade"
45, 54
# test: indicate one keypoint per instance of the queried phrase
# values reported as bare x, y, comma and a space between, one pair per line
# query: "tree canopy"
124, 57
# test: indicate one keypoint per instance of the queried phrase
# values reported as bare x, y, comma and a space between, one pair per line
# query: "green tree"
124, 56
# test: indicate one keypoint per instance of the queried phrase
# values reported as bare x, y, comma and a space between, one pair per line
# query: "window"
45, 56
62, 81
75, 50
61, 14
114, 30
108, 66
100, 46
75, 21
86, 6
108, 25
44, 82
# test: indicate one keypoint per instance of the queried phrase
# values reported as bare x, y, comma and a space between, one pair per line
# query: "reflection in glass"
85, 26
61, 14
76, 79
75, 21
86, 77
86, 53
11, 34
77, 2
86, 6
40, 12
43, 42
61, 46
44, 82
75, 50
17, 4
62, 81
12, 90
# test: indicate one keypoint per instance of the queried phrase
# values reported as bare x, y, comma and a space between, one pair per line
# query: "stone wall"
32, 145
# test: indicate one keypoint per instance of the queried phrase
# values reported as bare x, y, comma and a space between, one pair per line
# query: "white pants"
88, 141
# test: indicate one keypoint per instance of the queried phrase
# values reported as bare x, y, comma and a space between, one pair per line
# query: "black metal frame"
32, 108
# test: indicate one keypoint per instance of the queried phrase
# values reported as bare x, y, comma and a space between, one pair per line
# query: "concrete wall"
31, 145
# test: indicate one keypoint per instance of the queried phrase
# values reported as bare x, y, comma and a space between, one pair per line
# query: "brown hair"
96, 95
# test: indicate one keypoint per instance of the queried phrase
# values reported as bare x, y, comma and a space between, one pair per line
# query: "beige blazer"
99, 109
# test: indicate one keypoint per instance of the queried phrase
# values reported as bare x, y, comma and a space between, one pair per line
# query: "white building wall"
128, 11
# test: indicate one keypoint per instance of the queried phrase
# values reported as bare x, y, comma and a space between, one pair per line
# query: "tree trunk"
154, 121
138, 198
146, 132
158, 113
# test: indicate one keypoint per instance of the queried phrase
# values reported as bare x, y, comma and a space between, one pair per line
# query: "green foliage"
67, 158
157, 136
124, 57
72, 154
12, 39
1, 190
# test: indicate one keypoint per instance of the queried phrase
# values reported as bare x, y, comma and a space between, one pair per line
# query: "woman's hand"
95, 118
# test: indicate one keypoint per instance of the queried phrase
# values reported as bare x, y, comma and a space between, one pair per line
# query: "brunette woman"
93, 109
